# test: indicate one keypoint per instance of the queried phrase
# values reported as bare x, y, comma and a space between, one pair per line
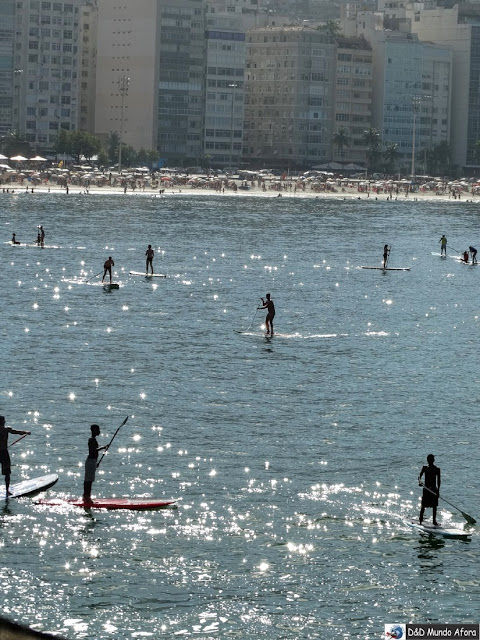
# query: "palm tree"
341, 140
390, 156
372, 139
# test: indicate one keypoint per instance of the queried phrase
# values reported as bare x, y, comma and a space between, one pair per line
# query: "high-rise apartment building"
290, 95
127, 76
46, 67
353, 103
461, 34
9, 80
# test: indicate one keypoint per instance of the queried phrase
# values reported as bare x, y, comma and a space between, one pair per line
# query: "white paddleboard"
28, 487
147, 275
388, 268
444, 532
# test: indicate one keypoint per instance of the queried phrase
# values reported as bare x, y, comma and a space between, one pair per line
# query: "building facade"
289, 97
9, 80
46, 67
353, 98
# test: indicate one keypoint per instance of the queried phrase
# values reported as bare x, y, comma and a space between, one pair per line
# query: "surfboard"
33, 245
132, 504
388, 268
28, 487
147, 275
444, 532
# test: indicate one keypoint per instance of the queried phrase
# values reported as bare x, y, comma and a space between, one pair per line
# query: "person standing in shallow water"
91, 462
270, 307
4, 455
150, 254
431, 488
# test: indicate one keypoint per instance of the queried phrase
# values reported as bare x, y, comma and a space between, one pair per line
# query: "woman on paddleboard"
91, 462
4, 455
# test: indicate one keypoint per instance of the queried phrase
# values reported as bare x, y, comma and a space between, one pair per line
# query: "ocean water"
293, 460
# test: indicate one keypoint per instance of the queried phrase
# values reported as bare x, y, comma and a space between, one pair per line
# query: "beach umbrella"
18, 159
2, 157
36, 159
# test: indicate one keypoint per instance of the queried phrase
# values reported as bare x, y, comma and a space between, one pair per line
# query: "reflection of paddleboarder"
431, 488
4, 455
149, 253
108, 268
386, 253
270, 307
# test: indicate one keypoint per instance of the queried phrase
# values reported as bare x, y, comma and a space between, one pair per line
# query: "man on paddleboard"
14, 240
443, 246
4, 455
149, 253
270, 307
431, 488
107, 268
91, 462
473, 253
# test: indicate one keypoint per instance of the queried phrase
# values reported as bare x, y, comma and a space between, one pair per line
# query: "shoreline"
347, 195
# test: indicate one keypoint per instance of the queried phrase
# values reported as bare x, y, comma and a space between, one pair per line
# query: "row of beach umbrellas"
23, 159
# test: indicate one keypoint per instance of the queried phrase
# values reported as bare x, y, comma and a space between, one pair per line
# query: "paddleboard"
147, 275
38, 246
133, 504
105, 285
28, 487
444, 532
388, 268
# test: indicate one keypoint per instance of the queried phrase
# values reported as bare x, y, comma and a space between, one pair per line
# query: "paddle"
18, 439
250, 325
468, 518
95, 276
113, 438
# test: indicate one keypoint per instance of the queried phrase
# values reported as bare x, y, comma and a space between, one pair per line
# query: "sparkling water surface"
293, 460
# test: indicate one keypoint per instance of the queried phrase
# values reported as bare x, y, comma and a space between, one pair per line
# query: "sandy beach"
286, 190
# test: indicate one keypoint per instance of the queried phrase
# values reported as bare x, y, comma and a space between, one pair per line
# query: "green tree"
14, 144
390, 157
102, 158
112, 147
341, 140
439, 159
84, 144
62, 145
373, 141
129, 156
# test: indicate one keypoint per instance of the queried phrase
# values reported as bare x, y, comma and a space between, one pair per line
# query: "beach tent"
18, 159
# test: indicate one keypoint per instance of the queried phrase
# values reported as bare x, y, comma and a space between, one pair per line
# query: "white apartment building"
127, 72
46, 66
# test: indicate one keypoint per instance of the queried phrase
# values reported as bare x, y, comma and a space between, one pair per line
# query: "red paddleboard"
134, 504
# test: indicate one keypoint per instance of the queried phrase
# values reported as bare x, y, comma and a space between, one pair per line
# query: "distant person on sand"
91, 462
107, 268
4, 455
386, 253
270, 307
14, 240
443, 246
431, 488
150, 254
473, 253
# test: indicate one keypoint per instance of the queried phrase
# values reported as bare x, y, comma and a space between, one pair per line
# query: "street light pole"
18, 74
416, 101
123, 83
233, 86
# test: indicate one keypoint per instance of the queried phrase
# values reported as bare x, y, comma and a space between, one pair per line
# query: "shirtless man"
443, 246
473, 253
41, 234
270, 307
14, 240
149, 253
91, 462
4, 455
107, 268
431, 488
